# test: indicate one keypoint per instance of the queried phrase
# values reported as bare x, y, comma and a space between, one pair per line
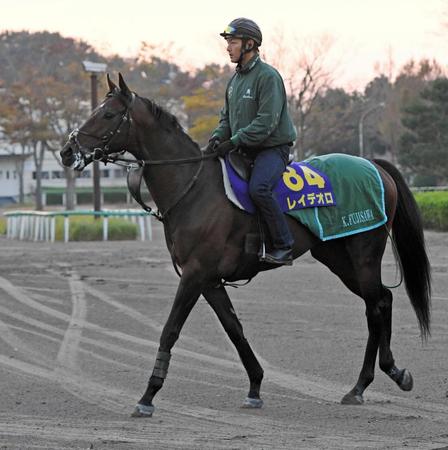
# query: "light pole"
361, 125
94, 68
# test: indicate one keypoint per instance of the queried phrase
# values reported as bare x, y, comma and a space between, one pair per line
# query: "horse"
205, 236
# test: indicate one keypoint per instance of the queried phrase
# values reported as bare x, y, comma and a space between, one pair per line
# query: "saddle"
240, 163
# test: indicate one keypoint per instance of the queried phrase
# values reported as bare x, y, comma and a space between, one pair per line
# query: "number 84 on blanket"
306, 187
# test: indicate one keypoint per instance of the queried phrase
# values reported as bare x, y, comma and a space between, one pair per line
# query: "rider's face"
234, 48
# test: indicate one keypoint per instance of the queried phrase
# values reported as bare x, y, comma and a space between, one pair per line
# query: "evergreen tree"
424, 146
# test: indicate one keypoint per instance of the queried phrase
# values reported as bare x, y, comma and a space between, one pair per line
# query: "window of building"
119, 173
44, 175
57, 174
105, 173
85, 174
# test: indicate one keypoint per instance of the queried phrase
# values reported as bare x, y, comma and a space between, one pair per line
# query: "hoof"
406, 382
352, 399
141, 410
252, 403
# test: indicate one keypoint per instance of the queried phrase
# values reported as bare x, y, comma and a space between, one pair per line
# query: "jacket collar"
249, 65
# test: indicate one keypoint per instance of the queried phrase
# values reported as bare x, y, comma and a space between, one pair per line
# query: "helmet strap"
244, 50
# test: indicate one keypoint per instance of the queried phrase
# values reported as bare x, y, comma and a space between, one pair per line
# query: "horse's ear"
110, 83
123, 86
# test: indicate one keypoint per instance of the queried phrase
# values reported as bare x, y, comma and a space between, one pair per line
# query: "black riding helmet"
243, 28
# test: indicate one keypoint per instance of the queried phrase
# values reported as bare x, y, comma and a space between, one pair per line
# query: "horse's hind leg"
358, 264
221, 304
366, 260
366, 376
402, 377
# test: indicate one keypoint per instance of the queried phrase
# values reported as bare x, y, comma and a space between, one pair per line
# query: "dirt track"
80, 323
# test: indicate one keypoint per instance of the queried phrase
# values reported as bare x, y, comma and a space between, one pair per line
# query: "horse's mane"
165, 118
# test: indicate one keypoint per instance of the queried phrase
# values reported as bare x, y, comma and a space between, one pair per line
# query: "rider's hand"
212, 144
224, 148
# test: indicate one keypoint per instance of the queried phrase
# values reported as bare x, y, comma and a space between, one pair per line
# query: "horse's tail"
407, 231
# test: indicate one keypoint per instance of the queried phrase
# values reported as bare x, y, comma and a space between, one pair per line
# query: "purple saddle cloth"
301, 186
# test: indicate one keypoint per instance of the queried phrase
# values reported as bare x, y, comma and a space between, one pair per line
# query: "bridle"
135, 167
99, 153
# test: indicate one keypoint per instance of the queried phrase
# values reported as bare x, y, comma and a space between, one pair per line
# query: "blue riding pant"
269, 166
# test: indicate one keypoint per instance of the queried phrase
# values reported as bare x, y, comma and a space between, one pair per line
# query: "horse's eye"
109, 115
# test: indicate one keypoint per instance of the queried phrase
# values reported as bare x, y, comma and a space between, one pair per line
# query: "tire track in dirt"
110, 399
316, 387
207, 371
332, 391
68, 350
43, 298
67, 369
118, 349
260, 432
174, 436
173, 410
321, 389
91, 390
17, 345
139, 317
167, 410
20, 295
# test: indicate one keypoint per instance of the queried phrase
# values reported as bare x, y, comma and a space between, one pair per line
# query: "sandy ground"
79, 329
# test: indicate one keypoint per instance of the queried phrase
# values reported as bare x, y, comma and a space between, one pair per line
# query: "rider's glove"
224, 148
212, 144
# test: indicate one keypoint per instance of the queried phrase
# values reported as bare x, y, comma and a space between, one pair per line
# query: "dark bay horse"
205, 235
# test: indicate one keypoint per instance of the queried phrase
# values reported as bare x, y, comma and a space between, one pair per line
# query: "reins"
136, 167
160, 162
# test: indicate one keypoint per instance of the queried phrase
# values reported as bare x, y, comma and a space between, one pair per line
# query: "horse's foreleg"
221, 304
187, 294
402, 377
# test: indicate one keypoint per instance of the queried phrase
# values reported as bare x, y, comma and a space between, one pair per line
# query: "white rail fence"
41, 225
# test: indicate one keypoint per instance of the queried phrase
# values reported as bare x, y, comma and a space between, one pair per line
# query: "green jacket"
255, 113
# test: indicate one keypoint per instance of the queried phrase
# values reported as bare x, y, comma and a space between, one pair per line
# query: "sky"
364, 34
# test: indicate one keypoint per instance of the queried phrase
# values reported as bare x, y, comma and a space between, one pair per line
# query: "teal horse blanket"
333, 195
359, 194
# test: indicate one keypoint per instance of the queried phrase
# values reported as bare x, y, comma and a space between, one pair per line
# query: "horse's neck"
167, 183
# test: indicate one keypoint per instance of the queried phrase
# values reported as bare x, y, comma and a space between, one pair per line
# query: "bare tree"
67, 108
14, 132
308, 71
388, 67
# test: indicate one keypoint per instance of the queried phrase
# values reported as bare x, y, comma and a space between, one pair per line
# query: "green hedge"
2, 225
85, 228
434, 209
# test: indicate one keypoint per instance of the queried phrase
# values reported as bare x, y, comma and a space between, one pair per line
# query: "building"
12, 161
10, 164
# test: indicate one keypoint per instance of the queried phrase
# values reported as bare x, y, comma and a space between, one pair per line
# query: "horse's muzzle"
72, 157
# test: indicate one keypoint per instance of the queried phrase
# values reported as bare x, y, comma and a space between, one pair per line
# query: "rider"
255, 119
